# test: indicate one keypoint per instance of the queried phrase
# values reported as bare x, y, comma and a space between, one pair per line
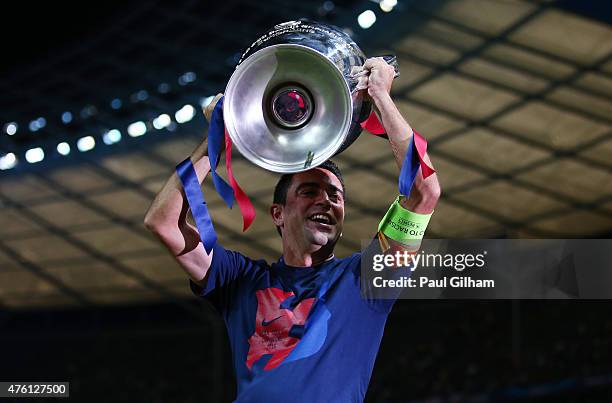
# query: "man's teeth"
320, 218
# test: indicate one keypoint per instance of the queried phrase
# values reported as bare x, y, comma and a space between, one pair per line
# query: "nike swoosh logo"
264, 323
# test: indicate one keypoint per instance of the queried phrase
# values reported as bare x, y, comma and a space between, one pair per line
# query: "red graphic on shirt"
272, 327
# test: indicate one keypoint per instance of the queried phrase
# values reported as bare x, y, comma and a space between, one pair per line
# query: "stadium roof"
513, 96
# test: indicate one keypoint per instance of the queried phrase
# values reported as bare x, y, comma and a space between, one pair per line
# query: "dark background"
432, 351
526, 351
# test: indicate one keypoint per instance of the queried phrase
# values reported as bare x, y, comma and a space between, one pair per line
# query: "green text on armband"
400, 224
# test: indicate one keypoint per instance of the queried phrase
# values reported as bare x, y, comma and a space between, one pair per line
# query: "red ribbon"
246, 207
421, 146
372, 124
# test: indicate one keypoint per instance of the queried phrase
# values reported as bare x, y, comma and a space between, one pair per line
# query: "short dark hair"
282, 186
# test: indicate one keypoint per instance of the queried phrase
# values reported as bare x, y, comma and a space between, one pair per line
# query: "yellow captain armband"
402, 225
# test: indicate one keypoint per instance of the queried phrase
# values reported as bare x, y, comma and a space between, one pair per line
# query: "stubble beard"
317, 237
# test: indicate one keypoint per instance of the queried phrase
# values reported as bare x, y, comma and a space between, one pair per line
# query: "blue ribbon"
410, 169
216, 137
195, 198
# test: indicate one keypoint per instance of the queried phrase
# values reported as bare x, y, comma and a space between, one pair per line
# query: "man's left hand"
380, 77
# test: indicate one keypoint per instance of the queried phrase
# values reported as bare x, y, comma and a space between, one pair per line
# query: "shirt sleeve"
228, 269
379, 298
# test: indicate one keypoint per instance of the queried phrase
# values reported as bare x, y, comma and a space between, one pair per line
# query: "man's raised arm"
425, 192
167, 217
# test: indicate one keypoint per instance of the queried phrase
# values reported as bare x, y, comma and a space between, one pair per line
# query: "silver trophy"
292, 101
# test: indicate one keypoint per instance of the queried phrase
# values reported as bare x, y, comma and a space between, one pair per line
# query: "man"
299, 329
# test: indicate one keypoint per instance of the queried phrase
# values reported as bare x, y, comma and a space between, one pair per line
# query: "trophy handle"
392, 61
356, 73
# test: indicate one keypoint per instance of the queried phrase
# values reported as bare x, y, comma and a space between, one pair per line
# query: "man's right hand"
208, 109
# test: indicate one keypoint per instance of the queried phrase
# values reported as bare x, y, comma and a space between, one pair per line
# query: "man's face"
313, 214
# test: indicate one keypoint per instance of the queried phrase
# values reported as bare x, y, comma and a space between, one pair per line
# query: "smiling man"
308, 208
300, 328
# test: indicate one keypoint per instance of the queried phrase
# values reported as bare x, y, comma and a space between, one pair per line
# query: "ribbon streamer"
246, 207
216, 134
195, 198
415, 155
420, 144
373, 125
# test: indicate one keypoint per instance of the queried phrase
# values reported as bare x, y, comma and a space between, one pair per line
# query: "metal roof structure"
513, 96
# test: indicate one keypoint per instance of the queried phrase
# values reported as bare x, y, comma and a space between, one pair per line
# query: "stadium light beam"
137, 129
8, 161
387, 5
116, 104
162, 121
33, 125
185, 114
111, 137
86, 143
366, 19
34, 155
63, 148
11, 128
66, 117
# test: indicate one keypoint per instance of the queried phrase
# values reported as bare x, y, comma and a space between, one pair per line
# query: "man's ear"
276, 211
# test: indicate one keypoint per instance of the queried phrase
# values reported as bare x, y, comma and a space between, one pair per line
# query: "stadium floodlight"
66, 117
88, 111
162, 121
34, 155
11, 128
8, 161
116, 104
86, 143
142, 95
187, 78
63, 148
185, 114
111, 137
190, 76
366, 19
33, 125
387, 5
137, 129
163, 88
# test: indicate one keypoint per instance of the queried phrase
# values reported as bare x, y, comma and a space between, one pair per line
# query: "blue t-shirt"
297, 334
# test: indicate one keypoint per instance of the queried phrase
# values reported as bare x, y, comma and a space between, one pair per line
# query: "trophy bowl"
291, 103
